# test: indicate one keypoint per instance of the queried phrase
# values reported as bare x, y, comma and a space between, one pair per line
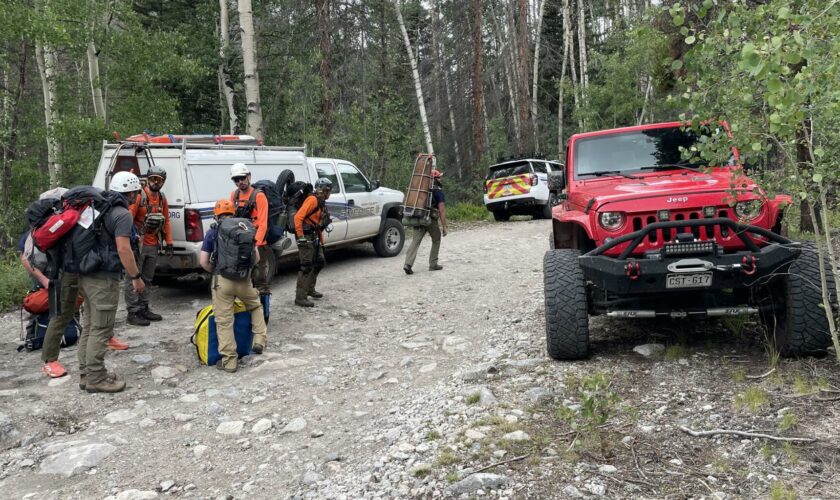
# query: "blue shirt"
437, 197
209, 243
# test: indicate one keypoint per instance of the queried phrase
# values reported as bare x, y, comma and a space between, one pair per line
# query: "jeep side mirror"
556, 181
374, 185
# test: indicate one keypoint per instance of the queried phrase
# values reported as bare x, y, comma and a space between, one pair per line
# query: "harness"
155, 219
309, 225
245, 209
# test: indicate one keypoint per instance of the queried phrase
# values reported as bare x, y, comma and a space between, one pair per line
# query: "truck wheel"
566, 310
389, 242
545, 210
501, 216
797, 323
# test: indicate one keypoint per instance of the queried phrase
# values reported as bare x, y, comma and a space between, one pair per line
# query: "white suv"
520, 187
199, 174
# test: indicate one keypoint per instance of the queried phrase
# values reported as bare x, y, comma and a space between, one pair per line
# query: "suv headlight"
748, 210
611, 220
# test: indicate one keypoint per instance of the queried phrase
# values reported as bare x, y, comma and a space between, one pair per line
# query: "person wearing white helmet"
252, 204
104, 244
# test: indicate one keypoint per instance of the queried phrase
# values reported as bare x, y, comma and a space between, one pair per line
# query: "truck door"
336, 204
364, 206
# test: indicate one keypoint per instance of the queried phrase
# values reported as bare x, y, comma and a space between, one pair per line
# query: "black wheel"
545, 210
501, 216
271, 268
389, 242
794, 318
285, 178
566, 310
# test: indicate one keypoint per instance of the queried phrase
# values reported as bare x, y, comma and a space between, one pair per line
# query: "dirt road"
400, 386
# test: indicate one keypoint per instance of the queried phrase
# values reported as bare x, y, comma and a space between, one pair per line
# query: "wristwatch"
135, 277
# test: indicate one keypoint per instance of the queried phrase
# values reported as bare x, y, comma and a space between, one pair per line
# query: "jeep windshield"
617, 154
509, 169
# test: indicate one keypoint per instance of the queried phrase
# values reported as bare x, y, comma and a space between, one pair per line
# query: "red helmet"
436, 174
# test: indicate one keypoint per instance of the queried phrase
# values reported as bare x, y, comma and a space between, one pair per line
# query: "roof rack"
187, 145
529, 156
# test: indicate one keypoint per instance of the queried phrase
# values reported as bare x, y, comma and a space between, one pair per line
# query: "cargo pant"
146, 262
261, 273
312, 260
419, 231
100, 310
224, 292
55, 329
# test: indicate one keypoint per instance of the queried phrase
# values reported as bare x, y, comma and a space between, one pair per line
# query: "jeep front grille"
704, 233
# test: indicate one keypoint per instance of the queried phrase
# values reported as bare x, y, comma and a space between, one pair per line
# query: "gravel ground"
434, 385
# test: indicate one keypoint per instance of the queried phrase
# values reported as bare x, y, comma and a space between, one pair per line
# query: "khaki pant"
261, 275
57, 324
146, 263
419, 231
100, 309
225, 291
312, 260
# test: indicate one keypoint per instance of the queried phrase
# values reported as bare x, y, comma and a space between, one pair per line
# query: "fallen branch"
514, 459
746, 434
756, 377
827, 399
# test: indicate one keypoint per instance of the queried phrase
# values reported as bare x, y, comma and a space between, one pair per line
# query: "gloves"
168, 250
302, 241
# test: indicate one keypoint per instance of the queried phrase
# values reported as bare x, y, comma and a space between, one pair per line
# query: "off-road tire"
501, 215
283, 181
798, 325
566, 310
545, 210
390, 241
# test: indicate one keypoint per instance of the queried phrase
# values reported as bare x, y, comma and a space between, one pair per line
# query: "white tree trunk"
648, 88
95, 82
254, 121
417, 87
566, 51
507, 67
536, 76
45, 58
584, 63
224, 74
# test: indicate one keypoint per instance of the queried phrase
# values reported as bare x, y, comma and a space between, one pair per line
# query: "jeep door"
363, 205
336, 204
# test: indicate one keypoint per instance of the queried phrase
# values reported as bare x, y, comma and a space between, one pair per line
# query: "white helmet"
239, 170
125, 182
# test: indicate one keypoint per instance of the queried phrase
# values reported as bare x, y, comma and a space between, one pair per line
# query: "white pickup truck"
198, 176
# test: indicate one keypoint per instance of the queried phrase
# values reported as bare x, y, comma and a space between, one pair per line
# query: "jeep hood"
610, 190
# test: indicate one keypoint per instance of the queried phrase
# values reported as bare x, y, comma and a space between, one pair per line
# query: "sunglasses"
239, 178
156, 179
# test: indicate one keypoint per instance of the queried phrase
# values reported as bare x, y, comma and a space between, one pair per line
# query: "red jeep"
641, 233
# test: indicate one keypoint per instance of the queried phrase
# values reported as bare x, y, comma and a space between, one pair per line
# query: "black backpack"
86, 250
295, 194
39, 211
273, 192
235, 244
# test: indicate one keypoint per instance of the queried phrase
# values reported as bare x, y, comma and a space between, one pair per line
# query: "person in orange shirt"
151, 220
310, 221
253, 204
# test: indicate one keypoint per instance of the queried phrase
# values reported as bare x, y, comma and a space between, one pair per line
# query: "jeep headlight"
748, 210
611, 220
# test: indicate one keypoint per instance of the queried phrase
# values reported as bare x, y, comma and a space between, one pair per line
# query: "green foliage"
597, 402
781, 491
788, 421
753, 398
14, 283
466, 212
473, 398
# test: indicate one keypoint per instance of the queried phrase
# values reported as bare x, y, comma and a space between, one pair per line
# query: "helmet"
436, 174
125, 182
156, 170
239, 170
323, 183
223, 207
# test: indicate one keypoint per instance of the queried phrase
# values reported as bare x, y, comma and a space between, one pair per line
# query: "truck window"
509, 169
327, 170
354, 181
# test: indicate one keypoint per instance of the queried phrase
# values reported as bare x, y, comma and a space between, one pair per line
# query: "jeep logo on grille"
676, 199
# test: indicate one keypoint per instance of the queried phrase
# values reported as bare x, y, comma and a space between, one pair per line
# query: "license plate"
693, 280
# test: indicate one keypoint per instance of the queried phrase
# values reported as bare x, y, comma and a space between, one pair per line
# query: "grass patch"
735, 324
14, 283
433, 436
474, 398
675, 352
447, 458
422, 472
453, 477
753, 398
466, 212
781, 491
788, 421
803, 385
790, 453
491, 420
739, 375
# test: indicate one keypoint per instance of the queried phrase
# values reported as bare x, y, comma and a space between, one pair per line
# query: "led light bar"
694, 248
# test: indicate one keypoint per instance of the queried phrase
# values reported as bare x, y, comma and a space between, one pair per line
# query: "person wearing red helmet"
435, 229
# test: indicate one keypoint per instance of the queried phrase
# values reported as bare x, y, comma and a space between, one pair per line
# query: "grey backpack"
235, 246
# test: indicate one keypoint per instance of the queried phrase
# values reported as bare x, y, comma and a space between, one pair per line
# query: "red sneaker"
53, 369
116, 344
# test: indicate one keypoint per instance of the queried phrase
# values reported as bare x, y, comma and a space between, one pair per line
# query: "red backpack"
56, 226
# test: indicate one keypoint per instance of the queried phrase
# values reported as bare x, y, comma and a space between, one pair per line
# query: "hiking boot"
116, 344
258, 348
149, 315
435, 267
137, 319
221, 366
53, 369
111, 376
407, 269
108, 385
304, 303
316, 294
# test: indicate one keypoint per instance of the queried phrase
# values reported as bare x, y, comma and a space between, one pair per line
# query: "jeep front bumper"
703, 267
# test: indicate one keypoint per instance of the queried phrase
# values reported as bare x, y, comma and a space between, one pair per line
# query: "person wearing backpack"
310, 221
251, 203
435, 229
99, 250
229, 254
151, 220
